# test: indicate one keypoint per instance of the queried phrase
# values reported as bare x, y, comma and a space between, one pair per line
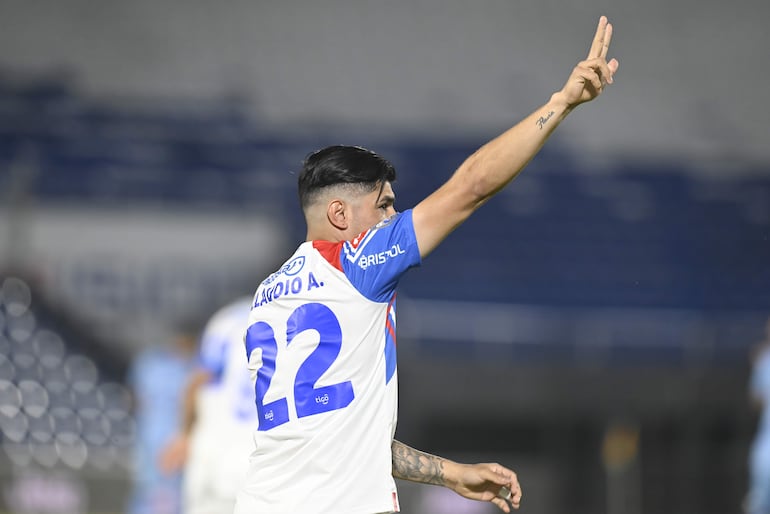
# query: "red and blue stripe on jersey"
373, 263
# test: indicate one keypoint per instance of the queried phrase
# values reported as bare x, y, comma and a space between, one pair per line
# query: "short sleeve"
376, 259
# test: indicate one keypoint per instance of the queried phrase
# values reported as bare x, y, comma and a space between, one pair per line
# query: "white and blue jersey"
221, 439
221, 355
321, 344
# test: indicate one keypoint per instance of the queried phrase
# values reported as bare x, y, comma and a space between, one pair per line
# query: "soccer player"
321, 338
157, 381
218, 416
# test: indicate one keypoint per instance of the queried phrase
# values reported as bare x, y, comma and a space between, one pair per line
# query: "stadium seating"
641, 235
59, 407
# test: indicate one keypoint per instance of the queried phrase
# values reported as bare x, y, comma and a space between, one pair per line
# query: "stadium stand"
649, 264
63, 405
647, 234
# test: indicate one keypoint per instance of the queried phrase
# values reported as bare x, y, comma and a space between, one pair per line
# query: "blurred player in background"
218, 415
157, 377
321, 336
758, 499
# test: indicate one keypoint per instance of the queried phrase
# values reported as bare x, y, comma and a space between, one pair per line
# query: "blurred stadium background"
591, 327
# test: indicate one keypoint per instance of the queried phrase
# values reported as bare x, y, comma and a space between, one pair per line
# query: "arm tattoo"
417, 466
542, 120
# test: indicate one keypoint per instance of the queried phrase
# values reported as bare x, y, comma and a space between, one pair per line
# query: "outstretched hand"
591, 76
489, 482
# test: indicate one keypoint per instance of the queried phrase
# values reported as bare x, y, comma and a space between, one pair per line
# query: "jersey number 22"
308, 398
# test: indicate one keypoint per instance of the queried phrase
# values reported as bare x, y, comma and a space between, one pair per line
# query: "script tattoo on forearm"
542, 120
417, 466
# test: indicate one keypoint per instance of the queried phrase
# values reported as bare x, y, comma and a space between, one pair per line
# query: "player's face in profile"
374, 207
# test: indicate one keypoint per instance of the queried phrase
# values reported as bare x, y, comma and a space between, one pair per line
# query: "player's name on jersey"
286, 287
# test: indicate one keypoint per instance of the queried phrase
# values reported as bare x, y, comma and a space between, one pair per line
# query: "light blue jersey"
157, 378
759, 459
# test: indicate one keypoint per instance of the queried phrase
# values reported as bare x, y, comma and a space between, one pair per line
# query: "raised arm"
484, 482
498, 162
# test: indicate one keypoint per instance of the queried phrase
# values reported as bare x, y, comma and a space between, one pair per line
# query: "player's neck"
334, 236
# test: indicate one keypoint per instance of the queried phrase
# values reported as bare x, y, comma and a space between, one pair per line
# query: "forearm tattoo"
417, 466
542, 120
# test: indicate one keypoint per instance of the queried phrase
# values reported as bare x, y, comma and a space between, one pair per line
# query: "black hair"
340, 164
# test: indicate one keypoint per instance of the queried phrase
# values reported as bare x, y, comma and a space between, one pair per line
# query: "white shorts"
216, 469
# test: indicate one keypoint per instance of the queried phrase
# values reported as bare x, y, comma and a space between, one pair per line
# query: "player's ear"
336, 213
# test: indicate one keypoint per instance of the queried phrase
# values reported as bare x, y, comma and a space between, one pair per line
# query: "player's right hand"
591, 76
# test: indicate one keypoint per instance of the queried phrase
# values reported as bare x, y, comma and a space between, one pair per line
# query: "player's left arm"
484, 482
